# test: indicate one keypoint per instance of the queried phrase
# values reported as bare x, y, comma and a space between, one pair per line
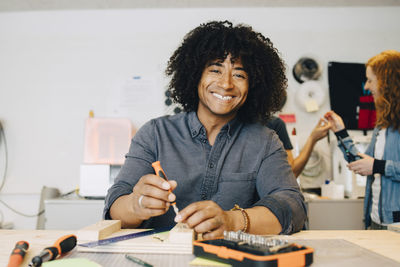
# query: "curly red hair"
386, 67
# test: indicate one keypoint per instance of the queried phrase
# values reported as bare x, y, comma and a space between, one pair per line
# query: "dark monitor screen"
348, 97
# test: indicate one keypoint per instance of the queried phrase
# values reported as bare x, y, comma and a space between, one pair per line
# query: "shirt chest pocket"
236, 188
237, 177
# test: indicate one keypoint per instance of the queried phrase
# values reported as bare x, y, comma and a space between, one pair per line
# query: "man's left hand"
362, 166
206, 217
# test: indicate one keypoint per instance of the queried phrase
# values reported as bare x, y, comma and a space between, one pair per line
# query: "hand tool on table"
160, 172
63, 245
18, 254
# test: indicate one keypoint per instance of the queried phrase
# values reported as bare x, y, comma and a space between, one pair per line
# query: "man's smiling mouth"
222, 97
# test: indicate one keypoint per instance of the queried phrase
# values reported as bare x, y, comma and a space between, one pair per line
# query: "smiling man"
226, 171
222, 91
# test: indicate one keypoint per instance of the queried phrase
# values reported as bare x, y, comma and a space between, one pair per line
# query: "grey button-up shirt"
247, 165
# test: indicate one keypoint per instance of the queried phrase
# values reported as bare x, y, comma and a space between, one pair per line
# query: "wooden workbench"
385, 243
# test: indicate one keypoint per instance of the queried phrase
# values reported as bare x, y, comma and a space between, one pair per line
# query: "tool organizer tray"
250, 250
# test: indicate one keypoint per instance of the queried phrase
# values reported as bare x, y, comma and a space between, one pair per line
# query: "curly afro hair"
214, 41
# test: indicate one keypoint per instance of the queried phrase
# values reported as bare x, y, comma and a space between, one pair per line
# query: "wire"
20, 213
4, 181
2, 218
6, 157
76, 191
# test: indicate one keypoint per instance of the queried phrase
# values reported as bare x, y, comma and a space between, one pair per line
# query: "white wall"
57, 65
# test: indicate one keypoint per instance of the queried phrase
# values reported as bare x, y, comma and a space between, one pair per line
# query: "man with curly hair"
217, 155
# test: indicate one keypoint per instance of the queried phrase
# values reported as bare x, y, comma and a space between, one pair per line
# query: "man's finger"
187, 211
191, 209
155, 192
207, 225
173, 184
217, 233
156, 181
151, 203
154, 212
203, 218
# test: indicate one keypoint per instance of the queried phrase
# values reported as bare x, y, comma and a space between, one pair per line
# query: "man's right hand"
335, 120
151, 196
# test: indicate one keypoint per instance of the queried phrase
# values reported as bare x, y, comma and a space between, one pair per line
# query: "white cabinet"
323, 214
72, 214
341, 214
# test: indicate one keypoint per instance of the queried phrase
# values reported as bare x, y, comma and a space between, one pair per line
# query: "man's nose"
225, 80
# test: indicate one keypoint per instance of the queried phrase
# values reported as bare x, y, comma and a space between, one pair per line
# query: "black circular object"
177, 110
168, 101
306, 69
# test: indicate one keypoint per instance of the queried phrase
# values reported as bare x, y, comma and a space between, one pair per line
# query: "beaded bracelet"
245, 217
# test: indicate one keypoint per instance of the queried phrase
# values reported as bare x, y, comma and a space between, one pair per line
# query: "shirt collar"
196, 126
231, 127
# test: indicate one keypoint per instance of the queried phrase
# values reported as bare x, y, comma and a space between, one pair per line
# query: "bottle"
295, 143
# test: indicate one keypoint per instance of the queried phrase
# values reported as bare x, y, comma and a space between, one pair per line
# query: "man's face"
223, 88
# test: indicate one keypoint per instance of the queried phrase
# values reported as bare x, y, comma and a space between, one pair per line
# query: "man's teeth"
222, 97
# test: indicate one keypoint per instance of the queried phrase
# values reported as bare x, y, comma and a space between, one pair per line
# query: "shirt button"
194, 132
211, 165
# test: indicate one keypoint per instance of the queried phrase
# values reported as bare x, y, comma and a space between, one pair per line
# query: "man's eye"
215, 71
241, 76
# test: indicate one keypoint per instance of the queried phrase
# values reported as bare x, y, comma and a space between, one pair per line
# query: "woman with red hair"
381, 161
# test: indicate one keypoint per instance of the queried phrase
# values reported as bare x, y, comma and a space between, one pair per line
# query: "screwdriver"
62, 245
160, 172
18, 254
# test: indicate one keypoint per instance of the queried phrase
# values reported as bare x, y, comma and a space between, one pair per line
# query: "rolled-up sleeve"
137, 163
278, 189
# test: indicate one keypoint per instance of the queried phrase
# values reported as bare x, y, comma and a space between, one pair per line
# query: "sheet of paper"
205, 262
139, 98
77, 262
311, 105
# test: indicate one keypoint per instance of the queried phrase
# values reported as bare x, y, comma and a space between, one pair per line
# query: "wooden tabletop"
383, 242
37, 239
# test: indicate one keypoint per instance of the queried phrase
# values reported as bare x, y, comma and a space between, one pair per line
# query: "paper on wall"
139, 98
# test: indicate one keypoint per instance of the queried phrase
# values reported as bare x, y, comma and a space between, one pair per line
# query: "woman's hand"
362, 166
335, 121
320, 130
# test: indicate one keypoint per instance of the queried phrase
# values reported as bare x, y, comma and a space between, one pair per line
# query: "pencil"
137, 260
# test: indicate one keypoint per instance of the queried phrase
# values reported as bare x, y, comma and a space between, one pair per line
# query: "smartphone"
350, 156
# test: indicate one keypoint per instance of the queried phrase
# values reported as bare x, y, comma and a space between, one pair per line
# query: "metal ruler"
107, 241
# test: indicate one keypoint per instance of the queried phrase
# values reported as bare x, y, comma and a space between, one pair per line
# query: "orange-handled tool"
160, 172
18, 254
62, 245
